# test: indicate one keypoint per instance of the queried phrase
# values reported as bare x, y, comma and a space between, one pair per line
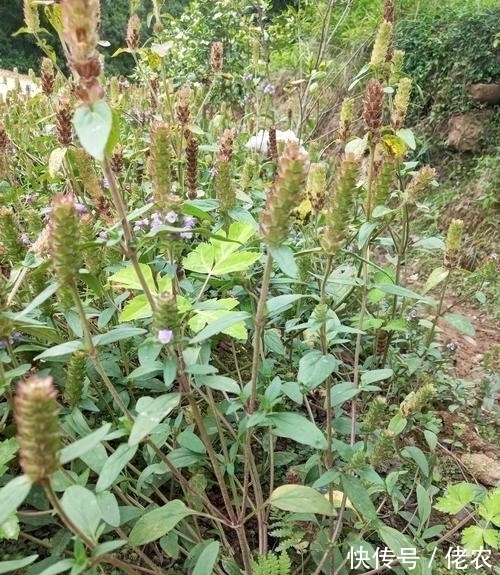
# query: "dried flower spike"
64, 115
47, 76
373, 107
36, 411
216, 57
192, 167
133, 32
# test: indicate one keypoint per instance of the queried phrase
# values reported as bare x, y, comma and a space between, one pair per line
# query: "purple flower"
186, 235
81, 209
171, 217
16, 337
25, 240
140, 224
105, 183
247, 77
269, 89
103, 235
165, 336
213, 171
156, 220
190, 222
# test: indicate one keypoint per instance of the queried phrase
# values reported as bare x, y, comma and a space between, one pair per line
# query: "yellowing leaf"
394, 145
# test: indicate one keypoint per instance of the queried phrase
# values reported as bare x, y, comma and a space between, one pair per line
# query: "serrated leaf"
158, 522
460, 322
150, 412
114, 465
472, 538
127, 278
81, 506
136, 308
236, 262
12, 495
456, 498
300, 499
93, 125
84, 445
298, 428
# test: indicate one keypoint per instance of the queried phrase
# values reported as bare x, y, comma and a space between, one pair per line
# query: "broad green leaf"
114, 465
127, 278
219, 382
360, 498
397, 423
397, 542
315, 367
284, 257
81, 506
8, 449
150, 412
211, 311
93, 125
489, 508
374, 375
15, 373
85, 444
342, 392
108, 505
437, 276
158, 522
117, 334
491, 537
298, 428
136, 308
16, 564
37, 301
431, 243
108, 547
460, 323
207, 559
59, 350
191, 441
236, 262
472, 538
12, 495
281, 303
230, 318
300, 499
418, 456
365, 232
456, 498
201, 259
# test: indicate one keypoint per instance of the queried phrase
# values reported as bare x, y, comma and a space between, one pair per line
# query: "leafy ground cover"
224, 350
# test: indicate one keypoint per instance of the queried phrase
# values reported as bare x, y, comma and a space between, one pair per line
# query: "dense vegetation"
215, 356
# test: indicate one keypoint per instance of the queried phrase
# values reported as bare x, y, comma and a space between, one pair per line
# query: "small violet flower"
25, 239
189, 222
156, 221
171, 217
165, 336
81, 209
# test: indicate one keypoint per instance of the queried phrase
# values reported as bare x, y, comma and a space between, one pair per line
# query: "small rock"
465, 130
485, 93
484, 468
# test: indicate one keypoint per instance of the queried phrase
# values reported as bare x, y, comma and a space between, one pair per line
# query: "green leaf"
342, 392
397, 542
424, 506
59, 350
10, 529
93, 126
84, 445
230, 318
114, 465
8, 449
437, 276
82, 508
237, 262
365, 232
191, 441
48, 292
489, 508
397, 423
158, 522
393, 289
395, 145
117, 334
298, 428
12, 495
207, 559
456, 498
300, 499
418, 456
201, 259
460, 322
315, 367
219, 382
284, 257
56, 568
214, 309
369, 377
108, 547
360, 499
56, 160
281, 303
127, 278
150, 412
108, 505
472, 538
431, 243
136, 308
16, 564
114, 134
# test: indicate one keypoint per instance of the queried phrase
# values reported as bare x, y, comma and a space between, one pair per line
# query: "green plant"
229, 370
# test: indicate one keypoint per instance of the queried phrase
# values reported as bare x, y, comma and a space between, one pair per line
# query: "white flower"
260, 142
